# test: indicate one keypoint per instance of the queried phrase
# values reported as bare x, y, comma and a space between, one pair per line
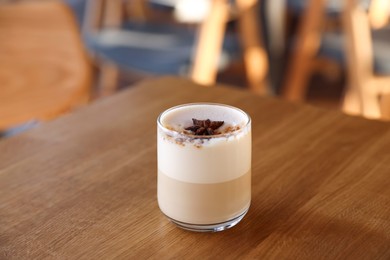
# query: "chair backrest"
46, 69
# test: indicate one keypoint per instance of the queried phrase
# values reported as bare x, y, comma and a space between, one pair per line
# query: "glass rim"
247, 123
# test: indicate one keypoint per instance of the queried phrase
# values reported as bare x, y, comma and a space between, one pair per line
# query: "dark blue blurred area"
149, 47
78, 8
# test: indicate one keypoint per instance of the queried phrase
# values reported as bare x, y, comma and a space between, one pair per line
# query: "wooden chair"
368, 59
316, 47
44, 71
211, 35
177, 56
123, 36
312, 40
304, 58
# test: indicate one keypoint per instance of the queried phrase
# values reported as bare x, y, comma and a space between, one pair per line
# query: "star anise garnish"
204, 127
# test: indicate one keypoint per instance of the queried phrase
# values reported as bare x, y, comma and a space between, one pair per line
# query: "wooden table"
84, 186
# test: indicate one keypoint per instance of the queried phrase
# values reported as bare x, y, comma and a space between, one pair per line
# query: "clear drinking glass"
204, 181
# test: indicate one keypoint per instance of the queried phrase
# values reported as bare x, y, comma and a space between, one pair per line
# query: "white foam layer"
219, 162
213, 160
180, 117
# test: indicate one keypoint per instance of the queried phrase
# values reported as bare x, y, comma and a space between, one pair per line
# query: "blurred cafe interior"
59, 56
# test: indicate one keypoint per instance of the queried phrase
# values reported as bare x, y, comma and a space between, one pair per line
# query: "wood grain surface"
44, 70
84, 186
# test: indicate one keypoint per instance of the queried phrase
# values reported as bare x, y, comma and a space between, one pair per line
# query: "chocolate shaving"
204, 127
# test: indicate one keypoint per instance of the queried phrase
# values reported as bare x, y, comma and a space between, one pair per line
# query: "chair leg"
307, 45
113, 13
370, 106
107, 81
210, 44
385, 106
255, 57
351, 102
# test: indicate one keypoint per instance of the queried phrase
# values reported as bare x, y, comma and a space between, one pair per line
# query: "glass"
204, 181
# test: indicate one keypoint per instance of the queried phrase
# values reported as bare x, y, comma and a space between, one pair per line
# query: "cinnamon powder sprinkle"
202, 128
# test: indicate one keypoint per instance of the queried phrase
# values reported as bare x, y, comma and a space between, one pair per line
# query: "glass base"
210, 227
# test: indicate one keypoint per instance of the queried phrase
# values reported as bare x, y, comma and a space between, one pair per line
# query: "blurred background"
57, 56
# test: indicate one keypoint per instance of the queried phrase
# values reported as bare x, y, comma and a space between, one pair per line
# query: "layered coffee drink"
204, 165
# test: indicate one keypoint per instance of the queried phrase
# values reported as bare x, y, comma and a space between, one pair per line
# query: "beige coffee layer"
203, 203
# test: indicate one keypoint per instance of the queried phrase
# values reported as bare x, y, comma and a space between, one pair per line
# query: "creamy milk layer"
213, 159
204, 203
